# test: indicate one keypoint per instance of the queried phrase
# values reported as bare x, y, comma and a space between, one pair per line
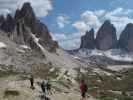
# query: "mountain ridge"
22, 24
106, 38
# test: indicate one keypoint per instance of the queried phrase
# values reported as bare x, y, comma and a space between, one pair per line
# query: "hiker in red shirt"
83, 89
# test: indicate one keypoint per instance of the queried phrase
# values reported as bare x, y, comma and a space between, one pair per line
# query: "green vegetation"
102, 84
7, 73
43, 71
8, 93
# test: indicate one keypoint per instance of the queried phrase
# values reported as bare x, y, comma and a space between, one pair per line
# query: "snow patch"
115, 54
119, 55
52, 69
25, 47
101, 72
20, 50
75, 57
36, 40
119, 67
2, 45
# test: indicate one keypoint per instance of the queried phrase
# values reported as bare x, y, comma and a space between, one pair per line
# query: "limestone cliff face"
126, 38
88, 40
20, 27
106, 37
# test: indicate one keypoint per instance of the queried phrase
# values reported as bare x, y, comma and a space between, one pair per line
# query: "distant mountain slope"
110, 57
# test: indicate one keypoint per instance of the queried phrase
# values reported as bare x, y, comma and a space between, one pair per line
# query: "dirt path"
68, 96
25, 93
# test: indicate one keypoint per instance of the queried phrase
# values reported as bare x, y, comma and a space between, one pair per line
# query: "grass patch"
8, 93
43, 71
7, 73
124, 83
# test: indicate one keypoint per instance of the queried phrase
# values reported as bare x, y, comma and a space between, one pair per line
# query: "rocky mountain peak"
107, 22
27, 10
26, 14
106, 37
126, 38
24, 25
27, 7
88, 41
91, 32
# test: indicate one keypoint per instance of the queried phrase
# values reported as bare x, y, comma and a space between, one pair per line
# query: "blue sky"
68, 20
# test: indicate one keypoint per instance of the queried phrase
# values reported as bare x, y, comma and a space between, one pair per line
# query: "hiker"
83, 89
43, 87
48, 87
32, 82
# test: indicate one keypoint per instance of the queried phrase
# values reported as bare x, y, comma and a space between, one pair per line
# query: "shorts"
83, 94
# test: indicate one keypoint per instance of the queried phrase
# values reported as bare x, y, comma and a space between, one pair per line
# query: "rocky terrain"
28, 44
27, 48
18, 87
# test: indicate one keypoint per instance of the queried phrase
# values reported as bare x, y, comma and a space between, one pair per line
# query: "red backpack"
83, 87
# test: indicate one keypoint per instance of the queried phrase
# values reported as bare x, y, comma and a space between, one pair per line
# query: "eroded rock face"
88, 40
8, 24
106, 37
126, 38
1, 20
23, 24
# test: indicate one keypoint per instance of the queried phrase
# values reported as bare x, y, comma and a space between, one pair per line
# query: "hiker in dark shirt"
32, 82
43, 87
48, 87
83, 89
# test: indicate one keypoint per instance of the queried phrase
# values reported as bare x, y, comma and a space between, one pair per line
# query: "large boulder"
106, 37
88, 40
126, 38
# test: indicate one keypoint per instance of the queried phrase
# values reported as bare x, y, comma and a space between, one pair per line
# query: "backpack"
84, 87
48, 86
43, 86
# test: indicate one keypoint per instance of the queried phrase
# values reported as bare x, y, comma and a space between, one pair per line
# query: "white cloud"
89, 16
60, 37
120, 12
88, 20
68, 40
99, 13
41, 7
70, 45
120, 18
80, 26
62, 20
